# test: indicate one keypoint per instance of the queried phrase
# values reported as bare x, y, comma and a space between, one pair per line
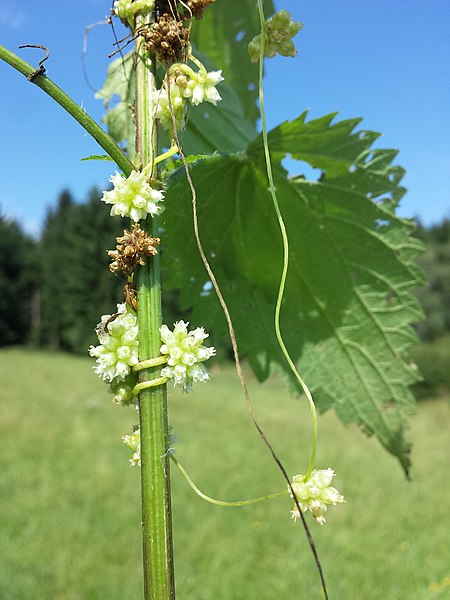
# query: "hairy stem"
50, 88
155, 470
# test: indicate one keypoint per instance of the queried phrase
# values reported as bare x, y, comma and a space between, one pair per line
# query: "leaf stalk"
69, 105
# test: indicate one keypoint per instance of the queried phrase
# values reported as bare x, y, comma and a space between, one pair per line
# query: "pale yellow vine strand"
223, 502
235, 347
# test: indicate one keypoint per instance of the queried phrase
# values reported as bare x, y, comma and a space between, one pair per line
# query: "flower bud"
281, 19
278, 31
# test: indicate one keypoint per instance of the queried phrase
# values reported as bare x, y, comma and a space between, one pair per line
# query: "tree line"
435, 295
53, 290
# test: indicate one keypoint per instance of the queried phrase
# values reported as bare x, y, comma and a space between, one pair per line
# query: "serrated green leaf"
323, 145
117, 94
348, 307
223, 127
175, 168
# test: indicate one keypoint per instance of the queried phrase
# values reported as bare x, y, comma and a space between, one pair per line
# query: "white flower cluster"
162, 112
133, 196
185, 354
133, 442
201, 87
196, 87
315, 494
118, 349
127, 9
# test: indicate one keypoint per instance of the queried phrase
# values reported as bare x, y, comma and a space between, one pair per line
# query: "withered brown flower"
131, 250
168, 38
197, 7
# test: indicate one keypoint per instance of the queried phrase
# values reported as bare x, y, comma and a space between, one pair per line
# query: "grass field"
69, 502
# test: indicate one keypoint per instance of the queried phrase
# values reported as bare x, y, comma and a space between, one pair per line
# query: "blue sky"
384, 61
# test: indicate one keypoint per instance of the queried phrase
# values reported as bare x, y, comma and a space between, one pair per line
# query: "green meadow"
69, 502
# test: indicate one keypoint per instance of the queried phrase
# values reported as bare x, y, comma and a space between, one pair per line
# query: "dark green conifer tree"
18, 284
435, 296
76, 283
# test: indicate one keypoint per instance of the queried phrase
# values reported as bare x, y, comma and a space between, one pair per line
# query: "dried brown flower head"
168, 38
131, 250
196, 7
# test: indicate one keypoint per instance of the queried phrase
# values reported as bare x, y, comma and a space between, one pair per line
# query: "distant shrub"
433, 360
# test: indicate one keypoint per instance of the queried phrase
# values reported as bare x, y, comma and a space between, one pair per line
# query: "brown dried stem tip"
168, 38
131, 250
196, 7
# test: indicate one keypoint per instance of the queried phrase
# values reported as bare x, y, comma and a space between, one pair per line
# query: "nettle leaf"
117, 94
223, 34
348, 307
223, 127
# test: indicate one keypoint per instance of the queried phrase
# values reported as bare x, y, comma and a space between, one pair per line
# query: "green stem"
105, 141
223, 502
155, 469
284, 235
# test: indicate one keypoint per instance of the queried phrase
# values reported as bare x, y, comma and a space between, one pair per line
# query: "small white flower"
161, 98
185, 352
118, 349
133, 196
197, 87
315, 494
133, 442
202, 87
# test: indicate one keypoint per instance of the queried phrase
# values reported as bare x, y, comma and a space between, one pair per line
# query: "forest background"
53, 288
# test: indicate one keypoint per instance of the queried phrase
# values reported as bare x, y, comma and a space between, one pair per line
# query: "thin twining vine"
137, 195
298, 513
283, 19
276, 37
211, 500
